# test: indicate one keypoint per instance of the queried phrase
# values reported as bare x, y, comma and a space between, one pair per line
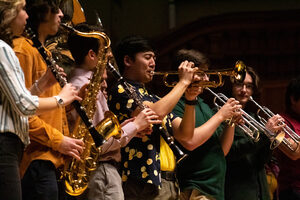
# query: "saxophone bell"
109, 126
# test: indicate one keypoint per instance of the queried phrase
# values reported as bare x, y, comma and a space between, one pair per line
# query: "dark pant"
11, 150
39, 181
289, 194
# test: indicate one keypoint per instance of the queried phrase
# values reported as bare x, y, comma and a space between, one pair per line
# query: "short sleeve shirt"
140, 158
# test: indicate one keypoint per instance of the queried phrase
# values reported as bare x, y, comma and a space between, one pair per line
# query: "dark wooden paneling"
267, 41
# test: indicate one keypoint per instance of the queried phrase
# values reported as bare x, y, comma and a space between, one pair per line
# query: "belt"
169, 176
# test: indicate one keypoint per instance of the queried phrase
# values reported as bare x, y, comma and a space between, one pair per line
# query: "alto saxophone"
77, 172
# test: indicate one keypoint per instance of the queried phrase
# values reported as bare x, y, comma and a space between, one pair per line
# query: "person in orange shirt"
16, 102
48, 132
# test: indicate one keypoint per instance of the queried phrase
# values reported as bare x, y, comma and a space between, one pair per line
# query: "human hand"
71, 147
230, 110
69, 94
49, 78
274, 124
145, 118
146, 131
192, 92
186, 72
83, 91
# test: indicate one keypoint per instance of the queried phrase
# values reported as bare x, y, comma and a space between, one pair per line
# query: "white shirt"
16, 102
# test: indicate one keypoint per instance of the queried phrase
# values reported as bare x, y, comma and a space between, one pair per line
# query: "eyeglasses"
203, 75
249, 86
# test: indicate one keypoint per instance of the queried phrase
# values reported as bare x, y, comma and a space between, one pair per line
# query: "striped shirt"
16, 102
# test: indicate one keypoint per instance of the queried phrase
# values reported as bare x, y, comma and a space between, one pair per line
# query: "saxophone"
77, 172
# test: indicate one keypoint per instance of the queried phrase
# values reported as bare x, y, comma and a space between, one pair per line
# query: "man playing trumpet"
148, 163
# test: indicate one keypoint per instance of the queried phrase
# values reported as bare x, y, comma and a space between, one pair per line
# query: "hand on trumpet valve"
274, 124
186, 72
230, 110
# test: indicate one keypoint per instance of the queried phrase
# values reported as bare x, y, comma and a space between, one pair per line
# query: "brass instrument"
238, 73
293, 143
77, 172
251, 126
169, 139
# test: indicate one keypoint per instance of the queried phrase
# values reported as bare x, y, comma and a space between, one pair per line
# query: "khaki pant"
193, 195
105, 183
135, 190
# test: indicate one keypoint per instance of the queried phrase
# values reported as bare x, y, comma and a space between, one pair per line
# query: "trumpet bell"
239, 71
109, 126
277, 140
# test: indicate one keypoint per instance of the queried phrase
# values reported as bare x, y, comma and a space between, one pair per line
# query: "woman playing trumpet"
245, 176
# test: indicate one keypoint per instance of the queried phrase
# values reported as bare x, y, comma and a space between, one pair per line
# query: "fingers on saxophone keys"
75, 155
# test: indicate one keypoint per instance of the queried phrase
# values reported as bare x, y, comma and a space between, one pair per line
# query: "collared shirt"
16, 102
141, 157
111, 150
46, 130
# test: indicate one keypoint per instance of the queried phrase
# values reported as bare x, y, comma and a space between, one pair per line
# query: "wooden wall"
267, 41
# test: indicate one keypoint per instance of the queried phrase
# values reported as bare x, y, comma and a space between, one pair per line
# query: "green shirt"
245, 176
204, 168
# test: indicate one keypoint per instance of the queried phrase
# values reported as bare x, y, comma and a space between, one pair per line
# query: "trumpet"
238, 73
251, 127
292, 144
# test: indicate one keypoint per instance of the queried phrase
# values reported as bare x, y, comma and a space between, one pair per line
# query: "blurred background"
263, 34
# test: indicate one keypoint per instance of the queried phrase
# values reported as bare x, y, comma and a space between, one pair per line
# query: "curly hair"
8, 11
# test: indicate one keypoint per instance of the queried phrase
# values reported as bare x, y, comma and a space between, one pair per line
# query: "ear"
127, 61
91, 54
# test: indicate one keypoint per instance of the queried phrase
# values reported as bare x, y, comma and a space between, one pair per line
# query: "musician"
16, 102
201, 175
48, 132
148, 163
105, 182
289, 175
245, 175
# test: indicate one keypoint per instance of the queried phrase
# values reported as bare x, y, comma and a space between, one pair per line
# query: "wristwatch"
59, 101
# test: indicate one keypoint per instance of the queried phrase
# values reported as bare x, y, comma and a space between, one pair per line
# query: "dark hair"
228, 83
8, 11
198, 58
37, 11
292, 90
79, 45
130, 46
